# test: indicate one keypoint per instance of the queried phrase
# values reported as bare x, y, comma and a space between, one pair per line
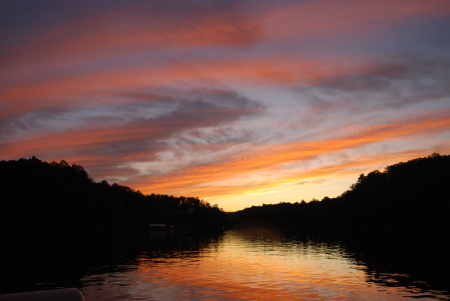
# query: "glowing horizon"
238, 103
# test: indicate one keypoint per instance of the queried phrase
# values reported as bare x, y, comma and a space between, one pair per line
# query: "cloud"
250, 170
137, 27
393, 87
159, 42
416, 72
167, 96
331, 18
309, 182
138, 132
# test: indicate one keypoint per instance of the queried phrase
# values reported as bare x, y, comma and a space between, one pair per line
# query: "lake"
260, 264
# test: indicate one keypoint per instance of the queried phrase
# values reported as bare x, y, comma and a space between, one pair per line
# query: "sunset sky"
238, 103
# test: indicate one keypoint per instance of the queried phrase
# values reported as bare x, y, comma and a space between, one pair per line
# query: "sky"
238, 103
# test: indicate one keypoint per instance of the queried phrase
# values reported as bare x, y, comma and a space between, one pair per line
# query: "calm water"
249, 266
236, 265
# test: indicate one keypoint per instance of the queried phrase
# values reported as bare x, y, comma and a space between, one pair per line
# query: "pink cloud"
207, 178
153, 83
332, 18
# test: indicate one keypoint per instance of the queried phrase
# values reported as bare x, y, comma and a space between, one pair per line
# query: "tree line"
410, 196
36, 194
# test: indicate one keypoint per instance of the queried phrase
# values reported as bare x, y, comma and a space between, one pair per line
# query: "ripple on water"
248, 266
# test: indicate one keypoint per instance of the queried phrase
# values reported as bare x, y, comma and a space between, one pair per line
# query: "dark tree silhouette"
409, 195
37, 194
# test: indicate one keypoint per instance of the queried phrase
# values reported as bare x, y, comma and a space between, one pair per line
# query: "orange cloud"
275, 69
49, 64
140, 28
245, 172
136, 133
206, 180
54, 78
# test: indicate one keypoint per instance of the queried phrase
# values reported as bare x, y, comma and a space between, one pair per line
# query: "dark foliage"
37, 194
406, 196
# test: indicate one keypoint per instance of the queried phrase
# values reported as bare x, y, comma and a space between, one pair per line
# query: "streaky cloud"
254, 164
182, 114
223, 98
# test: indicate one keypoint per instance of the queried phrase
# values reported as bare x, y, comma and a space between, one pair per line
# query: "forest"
407, 196
41, 195
413, 196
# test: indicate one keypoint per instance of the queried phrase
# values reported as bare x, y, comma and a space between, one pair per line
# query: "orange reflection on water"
245, 266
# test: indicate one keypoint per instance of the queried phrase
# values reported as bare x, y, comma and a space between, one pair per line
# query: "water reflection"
256, 264
248, 265
416, 262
